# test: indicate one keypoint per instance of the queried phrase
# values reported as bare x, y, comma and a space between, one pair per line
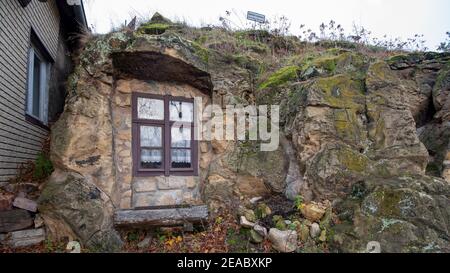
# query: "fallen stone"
323, 236
6, 200
260, 230
73, 247
12, 220
246, 223
248, 213
146, 242
76, 209
25, 238
283, 241
373, 247
312, 211
26, 204
314, 230
255, 237
38, 221
255, 200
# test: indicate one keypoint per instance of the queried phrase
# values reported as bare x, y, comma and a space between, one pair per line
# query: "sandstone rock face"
360, 132
91, 142
386, 127
74, 207
242, 170
404, 214
349, 126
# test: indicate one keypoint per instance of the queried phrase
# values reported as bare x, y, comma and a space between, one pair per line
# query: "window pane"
36, 103
151, 159
181, 158
150, 109
181, 111
151, 136
181, 137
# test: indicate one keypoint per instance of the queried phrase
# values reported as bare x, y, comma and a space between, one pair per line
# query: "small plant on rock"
298, 202
43, 167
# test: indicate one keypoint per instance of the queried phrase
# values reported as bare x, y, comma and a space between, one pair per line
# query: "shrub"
43, 167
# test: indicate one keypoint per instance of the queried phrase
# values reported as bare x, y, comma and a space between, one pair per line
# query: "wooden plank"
21, 126
17, 143
21, 138
18, 149
8, 171
12, 220
5, 179
160, 217
24, 237
26, 204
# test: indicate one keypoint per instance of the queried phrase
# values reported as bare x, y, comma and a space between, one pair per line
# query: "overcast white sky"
396, 18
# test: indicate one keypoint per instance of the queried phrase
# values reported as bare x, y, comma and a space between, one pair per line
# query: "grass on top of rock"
154, 28
280, 77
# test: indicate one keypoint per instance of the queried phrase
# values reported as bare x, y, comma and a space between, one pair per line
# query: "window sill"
172, 173
36, 122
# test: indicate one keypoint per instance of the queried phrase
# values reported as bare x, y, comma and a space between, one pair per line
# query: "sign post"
256, 17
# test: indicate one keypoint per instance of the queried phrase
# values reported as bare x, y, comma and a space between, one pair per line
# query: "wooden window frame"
166, 124
37, 49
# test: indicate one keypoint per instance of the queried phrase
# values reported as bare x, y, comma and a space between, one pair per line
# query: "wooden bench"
161, 217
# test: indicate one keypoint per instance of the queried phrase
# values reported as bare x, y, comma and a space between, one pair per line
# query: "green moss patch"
353, 160
280, 77
341, 91
154, 28
201, 52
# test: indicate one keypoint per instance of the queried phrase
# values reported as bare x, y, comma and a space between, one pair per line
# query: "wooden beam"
160, 217
12, 220
24, 237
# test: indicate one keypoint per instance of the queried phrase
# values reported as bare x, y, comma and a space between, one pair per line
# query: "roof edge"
73, 13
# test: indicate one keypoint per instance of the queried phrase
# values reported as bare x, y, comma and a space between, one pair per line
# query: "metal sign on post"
256, 17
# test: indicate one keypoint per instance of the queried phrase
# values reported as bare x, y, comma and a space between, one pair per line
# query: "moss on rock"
154, 28
353, 160
280, 77
201, 52
340, 91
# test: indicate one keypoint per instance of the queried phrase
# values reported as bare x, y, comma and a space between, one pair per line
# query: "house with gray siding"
37, 38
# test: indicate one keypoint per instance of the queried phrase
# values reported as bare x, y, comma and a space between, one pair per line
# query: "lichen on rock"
356, 130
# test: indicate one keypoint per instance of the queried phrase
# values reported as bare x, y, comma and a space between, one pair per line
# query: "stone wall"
138, 192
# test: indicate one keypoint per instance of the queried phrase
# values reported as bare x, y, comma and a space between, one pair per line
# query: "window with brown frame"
163, 135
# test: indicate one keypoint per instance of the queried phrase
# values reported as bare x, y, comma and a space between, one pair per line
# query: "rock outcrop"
368, 134
369, 138
76, 208
403, 214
